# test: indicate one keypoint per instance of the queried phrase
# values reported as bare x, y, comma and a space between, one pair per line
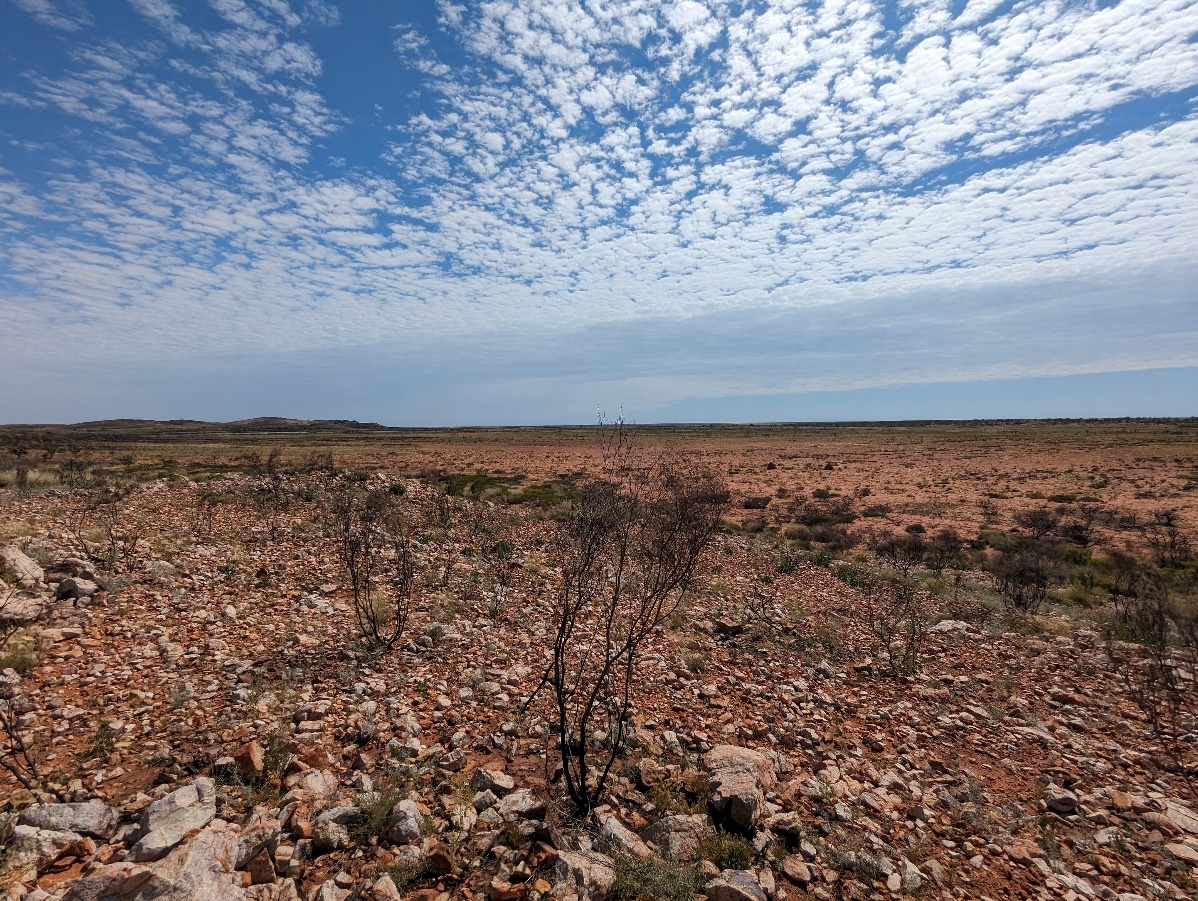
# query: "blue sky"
518, 212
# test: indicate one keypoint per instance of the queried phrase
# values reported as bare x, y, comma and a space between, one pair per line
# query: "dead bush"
1152, 645
1037, 522
1170, 545
1022, 573
104, 527
898, 616
373, 538
628, 550
493, 538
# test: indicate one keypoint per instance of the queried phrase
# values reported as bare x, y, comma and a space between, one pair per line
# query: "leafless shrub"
943, 550
1022, 574
201, 515
75, 472
102, 527
439, 519
375, 547
270, 494
1153, 647
1038, 521
16, 755
21, 477
1170, 545
317, 461
904, 552
493, 539
628, 550
897, 614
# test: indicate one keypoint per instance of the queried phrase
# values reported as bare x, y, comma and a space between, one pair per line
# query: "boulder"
587, 874
250, 759
94, 818
521, 805
1185, 818
615, 838
734, 885
484, 800
383, 889
71, 567
330, 891
494, 781
739, 778
404, 824
167, 821
109, 881
262, 834
911, 876
1060, 800
317, 783
28, 573
678, 836
34, 849
19, 611
329, 835
796, 870
276, 891
201, 870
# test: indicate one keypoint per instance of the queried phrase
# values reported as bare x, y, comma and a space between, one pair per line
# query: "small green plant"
21, 657
374, 809
407, 874
1047, 839
670, 798
275, 757
102, 744
511, 837
180, 695
726, 851
850, 575
652, 877
867, 868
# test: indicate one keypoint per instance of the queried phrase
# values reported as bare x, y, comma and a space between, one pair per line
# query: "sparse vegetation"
220, 629
627, 551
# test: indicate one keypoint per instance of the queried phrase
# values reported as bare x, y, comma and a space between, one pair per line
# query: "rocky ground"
206, 723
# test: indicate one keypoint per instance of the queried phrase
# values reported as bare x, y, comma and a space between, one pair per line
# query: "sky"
527, 211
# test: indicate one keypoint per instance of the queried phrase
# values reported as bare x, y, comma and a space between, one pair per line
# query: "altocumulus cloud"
514, 210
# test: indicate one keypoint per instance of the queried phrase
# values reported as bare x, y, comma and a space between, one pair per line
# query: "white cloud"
49, 13
603, 163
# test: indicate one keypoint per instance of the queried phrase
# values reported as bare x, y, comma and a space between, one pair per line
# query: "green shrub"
405, 875
850, 575
726, 851
102, 744
653, 878
374, 809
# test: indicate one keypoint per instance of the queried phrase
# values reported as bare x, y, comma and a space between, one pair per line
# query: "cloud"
645, 168
48, 13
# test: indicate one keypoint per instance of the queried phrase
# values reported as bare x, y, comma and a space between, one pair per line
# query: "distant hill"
259, 424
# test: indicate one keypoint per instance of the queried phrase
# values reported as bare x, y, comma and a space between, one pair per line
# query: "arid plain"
923, 659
